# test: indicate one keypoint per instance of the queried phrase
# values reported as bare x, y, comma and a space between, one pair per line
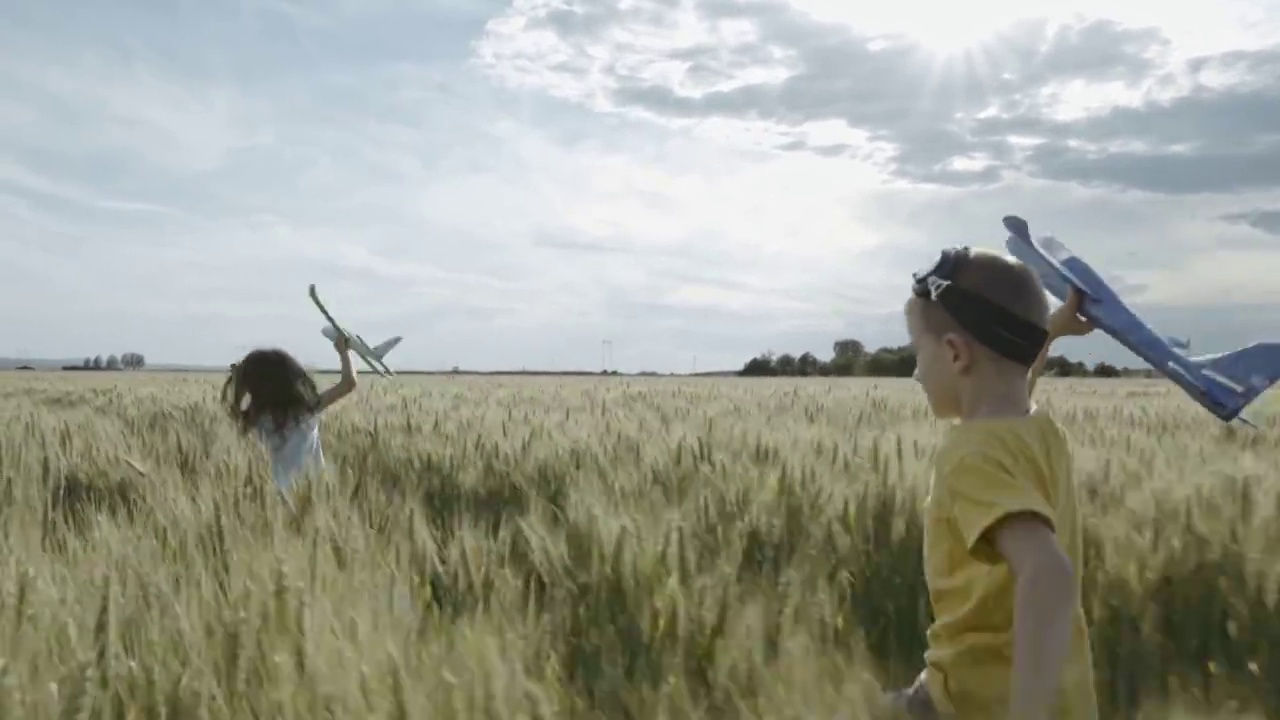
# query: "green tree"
1106, 370
1061, 366
808, 365
759, 366
848, 347
852, 359
787, 365
848, 356
897, 361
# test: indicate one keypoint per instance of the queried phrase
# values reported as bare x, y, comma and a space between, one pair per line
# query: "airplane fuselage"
357, 343
372, 356
1223, 383
1104, 308
1141, 340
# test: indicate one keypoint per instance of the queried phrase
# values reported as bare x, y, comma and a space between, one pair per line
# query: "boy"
1002, 532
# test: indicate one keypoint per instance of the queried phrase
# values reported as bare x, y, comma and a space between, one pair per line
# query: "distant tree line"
126, 361
850, 358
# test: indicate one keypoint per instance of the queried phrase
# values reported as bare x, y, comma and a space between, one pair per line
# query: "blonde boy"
1002, 527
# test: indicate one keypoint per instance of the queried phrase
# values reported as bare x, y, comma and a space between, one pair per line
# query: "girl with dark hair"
268, 393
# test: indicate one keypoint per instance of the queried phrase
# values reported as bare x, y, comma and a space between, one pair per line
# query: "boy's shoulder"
1002, 440
990, 468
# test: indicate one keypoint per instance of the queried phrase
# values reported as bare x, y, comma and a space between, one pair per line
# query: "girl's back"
294, 449
270, 395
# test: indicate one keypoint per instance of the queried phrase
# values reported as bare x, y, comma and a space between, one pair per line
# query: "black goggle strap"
1004, 333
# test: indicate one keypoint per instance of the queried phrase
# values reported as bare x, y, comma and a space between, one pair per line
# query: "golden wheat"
575, 548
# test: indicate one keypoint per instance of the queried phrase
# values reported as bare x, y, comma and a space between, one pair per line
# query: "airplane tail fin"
1247, 372
386, 346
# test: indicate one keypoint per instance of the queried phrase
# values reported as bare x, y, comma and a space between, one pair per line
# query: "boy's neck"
995, 398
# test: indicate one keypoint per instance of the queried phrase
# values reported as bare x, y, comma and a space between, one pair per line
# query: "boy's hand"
1066, 320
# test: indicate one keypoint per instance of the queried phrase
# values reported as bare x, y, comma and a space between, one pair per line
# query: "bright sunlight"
943, 28
952, 30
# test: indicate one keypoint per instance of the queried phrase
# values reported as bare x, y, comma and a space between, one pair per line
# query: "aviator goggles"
1000, 330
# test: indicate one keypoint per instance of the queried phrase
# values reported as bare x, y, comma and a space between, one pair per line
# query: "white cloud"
783, 77
494, 184
1195, 27
1215, 279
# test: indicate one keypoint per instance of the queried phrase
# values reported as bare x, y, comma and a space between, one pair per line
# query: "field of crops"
585, 548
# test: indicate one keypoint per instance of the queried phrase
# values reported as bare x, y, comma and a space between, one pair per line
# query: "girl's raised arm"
346, 383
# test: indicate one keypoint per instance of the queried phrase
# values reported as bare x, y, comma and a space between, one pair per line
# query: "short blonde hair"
999, 278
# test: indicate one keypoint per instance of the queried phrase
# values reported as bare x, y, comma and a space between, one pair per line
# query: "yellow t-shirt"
985, 470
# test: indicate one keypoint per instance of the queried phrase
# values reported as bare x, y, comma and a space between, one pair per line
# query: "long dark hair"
277, 385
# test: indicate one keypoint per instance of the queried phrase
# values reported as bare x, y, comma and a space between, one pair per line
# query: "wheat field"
586, 548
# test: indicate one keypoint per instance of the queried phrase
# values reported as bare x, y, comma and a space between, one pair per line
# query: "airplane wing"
336, 328
386, 346
1047, 256
1224, 384
1060, 269
377, 352
369, 354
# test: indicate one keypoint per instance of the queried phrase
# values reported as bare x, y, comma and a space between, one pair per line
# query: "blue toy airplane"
1224, 384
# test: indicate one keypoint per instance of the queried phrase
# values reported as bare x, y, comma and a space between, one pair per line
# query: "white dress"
294, 451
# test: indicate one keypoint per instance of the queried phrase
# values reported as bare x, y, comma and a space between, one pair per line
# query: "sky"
696, 181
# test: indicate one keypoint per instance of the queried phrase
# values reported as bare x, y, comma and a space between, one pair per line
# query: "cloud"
1091, 101
508, 184
1096, 128
1264, 221
177, 193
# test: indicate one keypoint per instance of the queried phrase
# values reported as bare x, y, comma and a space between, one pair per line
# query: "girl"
284, 407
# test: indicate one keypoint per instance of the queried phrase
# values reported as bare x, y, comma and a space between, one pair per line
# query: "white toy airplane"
372, 356
377, 352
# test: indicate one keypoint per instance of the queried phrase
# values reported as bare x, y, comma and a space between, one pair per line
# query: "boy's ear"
958, 351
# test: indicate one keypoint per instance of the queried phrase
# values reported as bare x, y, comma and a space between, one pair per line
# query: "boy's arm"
1045, 597
1037, 368
345, 384
1064, 322
1003, 518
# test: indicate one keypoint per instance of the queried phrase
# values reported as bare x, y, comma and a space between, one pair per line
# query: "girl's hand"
1066, 320
341, 344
